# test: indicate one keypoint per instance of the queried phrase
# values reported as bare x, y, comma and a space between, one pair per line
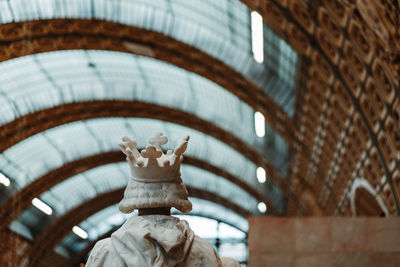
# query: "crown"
151, 165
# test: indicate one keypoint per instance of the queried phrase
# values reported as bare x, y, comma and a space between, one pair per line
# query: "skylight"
257, 38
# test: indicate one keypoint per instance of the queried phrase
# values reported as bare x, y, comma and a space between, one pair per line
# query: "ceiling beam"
66, 34
54, 234
33, 123
63, 34
22, 199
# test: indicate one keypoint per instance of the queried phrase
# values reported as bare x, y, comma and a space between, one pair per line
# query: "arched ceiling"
221, 29
331, 118
21, 201
53, 79
86, 140
141, 41
79, 188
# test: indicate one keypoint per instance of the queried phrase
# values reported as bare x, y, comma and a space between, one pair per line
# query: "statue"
155, 238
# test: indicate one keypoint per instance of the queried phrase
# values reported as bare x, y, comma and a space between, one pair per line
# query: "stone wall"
324, 241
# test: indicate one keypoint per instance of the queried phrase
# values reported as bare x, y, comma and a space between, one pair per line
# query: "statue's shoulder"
100, 253
202, 254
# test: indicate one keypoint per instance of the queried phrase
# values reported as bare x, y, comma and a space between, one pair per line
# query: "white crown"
151, 165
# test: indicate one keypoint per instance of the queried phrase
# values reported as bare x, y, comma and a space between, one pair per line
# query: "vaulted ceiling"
76, 76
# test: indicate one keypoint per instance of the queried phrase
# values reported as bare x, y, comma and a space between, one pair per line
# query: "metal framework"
52, 117
59, 34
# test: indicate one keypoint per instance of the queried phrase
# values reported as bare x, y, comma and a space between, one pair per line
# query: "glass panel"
281, 61
50, 79
237, 251
82, 187
55, 147
219, 28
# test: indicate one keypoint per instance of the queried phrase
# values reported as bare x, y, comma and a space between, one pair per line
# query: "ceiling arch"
73, 191
61, 227
21, 200
58, 78
78, 188
354, 92
95, 11
180, 55
22, 133
220, 29
83, 144
45, 120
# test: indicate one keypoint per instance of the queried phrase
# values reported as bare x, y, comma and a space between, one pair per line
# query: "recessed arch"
364, 201
366, 204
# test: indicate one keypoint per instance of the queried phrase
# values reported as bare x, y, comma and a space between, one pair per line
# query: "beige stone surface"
383, 237
313, 235
387, 259
265, 238
272, 259
350, 259
313, 259
324, 241
349, 234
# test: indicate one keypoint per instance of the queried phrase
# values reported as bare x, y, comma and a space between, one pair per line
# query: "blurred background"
292, 108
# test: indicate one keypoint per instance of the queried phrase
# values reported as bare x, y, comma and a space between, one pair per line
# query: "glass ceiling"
219, 28
36, 82
51, 149
281, 58
109, 218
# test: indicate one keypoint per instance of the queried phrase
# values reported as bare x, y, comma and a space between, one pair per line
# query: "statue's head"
155, 176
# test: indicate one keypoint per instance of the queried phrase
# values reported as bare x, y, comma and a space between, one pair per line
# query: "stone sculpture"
154, 238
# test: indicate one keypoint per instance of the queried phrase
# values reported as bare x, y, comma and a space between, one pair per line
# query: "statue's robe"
155, 240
